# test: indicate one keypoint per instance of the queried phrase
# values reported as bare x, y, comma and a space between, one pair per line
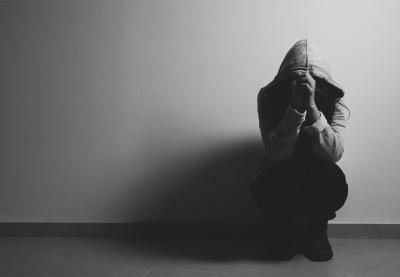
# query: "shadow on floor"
218, 250
208, 185
205, 184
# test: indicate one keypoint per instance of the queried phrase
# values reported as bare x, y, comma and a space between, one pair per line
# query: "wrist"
313, 115
312, 108
298, 108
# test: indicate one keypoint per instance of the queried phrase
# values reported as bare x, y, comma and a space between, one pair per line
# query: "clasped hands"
303, 97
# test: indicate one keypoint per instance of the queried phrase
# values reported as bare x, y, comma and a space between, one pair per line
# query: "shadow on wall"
207, 185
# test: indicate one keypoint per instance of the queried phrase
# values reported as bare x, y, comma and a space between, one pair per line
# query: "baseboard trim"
183, 230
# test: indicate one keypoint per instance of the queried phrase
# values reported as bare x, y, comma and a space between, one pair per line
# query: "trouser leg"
323, 189
273, 190
314, 188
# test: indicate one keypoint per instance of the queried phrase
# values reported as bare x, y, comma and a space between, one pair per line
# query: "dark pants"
310, 187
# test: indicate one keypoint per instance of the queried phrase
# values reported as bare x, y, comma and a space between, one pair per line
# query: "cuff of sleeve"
294, 117
318, 126
295, 113
292, 122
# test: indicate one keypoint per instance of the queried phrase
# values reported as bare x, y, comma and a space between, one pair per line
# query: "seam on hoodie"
307, 65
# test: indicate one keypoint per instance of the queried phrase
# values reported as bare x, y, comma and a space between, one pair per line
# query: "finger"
303, 85
303, 79
309, 77
302, 82
301, 74
307, 89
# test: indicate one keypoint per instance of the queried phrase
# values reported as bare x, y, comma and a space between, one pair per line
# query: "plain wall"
146, 110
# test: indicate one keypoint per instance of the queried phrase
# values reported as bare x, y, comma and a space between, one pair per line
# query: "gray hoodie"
327, 139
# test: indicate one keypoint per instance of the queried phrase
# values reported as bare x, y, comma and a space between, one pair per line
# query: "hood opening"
303, 56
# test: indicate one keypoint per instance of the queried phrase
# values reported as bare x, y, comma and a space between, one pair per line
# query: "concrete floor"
60, 256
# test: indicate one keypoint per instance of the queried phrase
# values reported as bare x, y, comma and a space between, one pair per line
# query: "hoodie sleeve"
328, 139
279, 141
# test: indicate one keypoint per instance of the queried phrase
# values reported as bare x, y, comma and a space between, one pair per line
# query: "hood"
302, 56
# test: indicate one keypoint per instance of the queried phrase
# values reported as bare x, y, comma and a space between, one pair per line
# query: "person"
302, 119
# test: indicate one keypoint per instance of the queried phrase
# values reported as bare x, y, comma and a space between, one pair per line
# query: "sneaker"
317, 247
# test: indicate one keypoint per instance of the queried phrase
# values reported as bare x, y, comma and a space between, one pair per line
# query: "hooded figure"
302, 120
